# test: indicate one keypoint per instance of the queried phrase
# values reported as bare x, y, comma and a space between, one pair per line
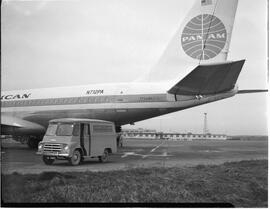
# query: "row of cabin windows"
61, 101
71, 100
58, 101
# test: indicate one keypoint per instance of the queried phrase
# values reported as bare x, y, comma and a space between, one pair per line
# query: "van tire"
104, 158
47, 160
76, 157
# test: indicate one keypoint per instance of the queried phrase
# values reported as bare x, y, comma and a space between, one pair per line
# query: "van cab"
77, 139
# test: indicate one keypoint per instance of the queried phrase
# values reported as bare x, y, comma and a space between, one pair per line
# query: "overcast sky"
63, 43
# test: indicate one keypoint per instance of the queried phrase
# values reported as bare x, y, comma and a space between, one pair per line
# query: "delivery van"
77, 139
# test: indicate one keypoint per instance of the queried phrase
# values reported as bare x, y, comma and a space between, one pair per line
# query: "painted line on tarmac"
157, 146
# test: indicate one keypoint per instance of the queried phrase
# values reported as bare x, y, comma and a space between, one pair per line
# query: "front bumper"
54, 154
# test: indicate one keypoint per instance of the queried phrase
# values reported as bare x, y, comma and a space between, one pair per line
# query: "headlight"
40, 146
65, 148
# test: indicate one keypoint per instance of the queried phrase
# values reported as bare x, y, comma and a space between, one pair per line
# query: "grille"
52, 147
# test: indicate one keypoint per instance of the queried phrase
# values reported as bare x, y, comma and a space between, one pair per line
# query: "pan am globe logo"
204, 37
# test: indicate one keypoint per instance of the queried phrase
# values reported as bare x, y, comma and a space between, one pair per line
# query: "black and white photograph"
134, 103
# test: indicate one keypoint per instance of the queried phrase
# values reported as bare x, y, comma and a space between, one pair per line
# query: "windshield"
51, 130
64, 129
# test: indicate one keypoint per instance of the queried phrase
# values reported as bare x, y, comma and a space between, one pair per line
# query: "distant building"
153, 134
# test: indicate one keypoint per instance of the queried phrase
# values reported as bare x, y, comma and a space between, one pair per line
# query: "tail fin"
203, 38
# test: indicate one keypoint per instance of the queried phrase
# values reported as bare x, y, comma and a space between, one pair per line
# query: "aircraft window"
48, 101
40, 102
11, 103
80, 100
70, 100
85, 99
57, 101
60, 101
34, 102
75, 100
65, 101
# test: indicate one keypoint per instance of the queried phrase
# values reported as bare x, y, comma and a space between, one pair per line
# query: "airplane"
196, 58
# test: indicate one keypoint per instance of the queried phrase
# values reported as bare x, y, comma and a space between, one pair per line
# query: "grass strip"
244, 184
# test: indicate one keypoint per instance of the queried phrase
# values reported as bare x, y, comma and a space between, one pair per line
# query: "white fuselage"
123, 103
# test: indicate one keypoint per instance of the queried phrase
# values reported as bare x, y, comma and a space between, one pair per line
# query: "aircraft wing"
209, 79
11, 123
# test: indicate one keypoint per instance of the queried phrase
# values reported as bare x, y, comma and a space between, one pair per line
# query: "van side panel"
102, 136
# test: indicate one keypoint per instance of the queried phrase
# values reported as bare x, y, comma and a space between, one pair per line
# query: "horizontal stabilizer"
248, 91
209, 79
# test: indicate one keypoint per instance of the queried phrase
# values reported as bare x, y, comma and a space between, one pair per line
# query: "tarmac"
137, 153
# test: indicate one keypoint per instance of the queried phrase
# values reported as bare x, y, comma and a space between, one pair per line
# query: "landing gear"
118, 130
47, 160
33, 141
24, 139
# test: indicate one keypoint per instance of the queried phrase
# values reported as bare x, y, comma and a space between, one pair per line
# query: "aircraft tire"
32, 143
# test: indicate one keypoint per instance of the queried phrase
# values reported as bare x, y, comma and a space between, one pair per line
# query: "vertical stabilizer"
203, 38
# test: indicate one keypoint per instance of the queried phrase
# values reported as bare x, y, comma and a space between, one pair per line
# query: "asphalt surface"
16, 157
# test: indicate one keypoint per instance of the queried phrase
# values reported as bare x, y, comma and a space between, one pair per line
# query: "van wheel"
47, 160
104, 158
76, 158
